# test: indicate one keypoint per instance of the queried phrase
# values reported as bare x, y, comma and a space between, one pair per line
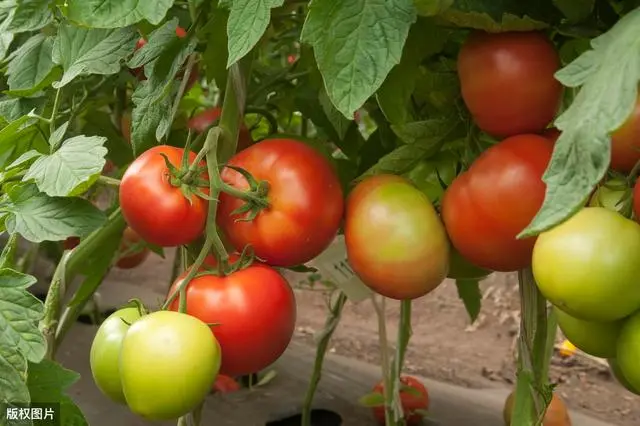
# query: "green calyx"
255, 197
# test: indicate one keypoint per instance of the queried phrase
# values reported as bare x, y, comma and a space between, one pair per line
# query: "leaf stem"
380, 309
404, 335
52, 306
181, 89
54, 111
8, 256
108, 181
330, 325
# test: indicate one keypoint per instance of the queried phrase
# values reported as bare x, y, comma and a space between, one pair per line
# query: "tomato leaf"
373, 399
432, 176
13, 108
608, 74
19, 136
20, 312
395, 93
30, 15
99, 123
70, 413
355, 55
499, 15
338, 121
14, 388
116, 13
432, 7
72, 169
156, 43
215, 56
248, 20
83, 51
38, 217
575, 11
146, 117
422, 140
48, 380
470, 294
31, 67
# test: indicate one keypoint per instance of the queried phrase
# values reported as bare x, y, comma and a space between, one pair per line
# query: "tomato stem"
52, 305
404, 335
181, 89
631, 178
330, 325
109, 181
54, 111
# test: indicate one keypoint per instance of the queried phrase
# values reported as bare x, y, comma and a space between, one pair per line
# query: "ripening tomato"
636, 200
130, 238
156, 209
104, 357
410, 402
485, 207
595, 338
625, 142
588, 265
617, 373
556, 415
203, 121
168, 364
305, 202
507, 81
255, 310
395, 241
628, 350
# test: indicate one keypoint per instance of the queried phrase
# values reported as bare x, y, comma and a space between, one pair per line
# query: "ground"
444, 345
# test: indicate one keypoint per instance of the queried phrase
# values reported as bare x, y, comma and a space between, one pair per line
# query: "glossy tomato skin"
507, 81
587, 266
104, 357
556, 415
595, 338
305, 196
203, 121
617, 373
256, 312
625, 142
410, 402
168, 364
485, 207
395, 240
158, 211
131, 238
628, 352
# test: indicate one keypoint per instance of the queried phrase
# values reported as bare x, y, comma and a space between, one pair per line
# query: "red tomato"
291, 59
507, 81
158, 211
305, 196
203, 121
225, 384
552, 134
636, 200
625, 143
256, 312
487, 206
129, 239
70, 243
410, 402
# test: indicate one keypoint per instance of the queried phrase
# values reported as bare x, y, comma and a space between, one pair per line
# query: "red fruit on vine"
416, 399
486, 207
255, 312
507, 81
154, 206
225, 384
130, 238
201, 122
625, 142
305, 202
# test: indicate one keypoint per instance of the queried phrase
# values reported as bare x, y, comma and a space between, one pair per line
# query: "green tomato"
595, 338
617, 373
610, 195
461, 269
628, 351
105, 352
168, 364
588, 265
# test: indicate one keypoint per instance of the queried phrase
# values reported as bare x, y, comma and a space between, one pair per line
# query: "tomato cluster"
414, 399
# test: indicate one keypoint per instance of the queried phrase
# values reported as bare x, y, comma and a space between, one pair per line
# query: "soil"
445, 346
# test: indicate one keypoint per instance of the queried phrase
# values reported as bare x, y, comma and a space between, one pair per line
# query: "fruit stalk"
532, 391
404, 335
330, 325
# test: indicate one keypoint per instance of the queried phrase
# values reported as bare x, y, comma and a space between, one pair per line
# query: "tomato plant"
448, 130
395, 240
415, 398
486, 207
507, 81
155, 203
305, 202
572, 273
254, 313
556, 414
158, 348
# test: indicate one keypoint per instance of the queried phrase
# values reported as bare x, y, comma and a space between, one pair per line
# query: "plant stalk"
389, 411
330, 325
